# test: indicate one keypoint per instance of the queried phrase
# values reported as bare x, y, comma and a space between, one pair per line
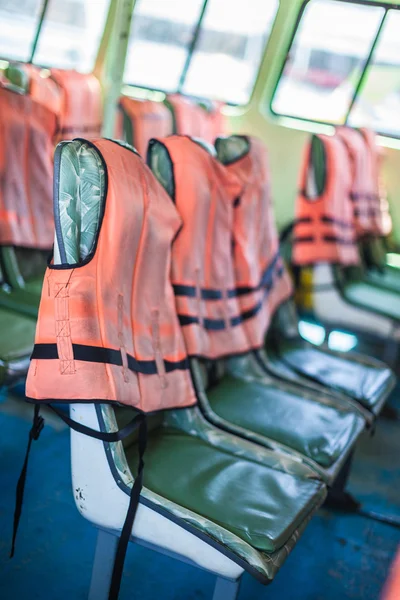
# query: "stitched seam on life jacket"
63, 330
155, 329
122, 348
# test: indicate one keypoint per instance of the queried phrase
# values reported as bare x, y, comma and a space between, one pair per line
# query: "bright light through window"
378, 104
226, 52
229, 50
69, 38
312, 332
342, 342
326, 60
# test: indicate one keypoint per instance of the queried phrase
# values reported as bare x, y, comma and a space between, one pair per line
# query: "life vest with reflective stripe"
27, 130
362, 188
261, 277
202, 267
190, 118
143, 120
81, 113
107, 327
382, 221
324, 228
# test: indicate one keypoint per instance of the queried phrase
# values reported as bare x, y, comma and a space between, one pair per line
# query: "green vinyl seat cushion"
16, 343
319, 432
367, 382
388, 279
260, 505
21, 300
373, 298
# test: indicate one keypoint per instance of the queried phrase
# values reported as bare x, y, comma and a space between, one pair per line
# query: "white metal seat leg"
106, 548
226, 589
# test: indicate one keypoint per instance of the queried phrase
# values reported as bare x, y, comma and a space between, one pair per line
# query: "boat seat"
362, 378
191, 472
388, 278
378, 300
286, 355
23, 272
192, 468
319, 430
16, 343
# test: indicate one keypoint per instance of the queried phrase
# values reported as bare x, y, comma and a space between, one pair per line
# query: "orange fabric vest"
81, 113
362, 180
190, 118
261, 277
202, 267
44, 90
382, 221
324, 226
27, 130
148, 119
107, 328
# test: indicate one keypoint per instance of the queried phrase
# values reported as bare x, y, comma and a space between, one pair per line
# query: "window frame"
190, 51
41, 18
387, 6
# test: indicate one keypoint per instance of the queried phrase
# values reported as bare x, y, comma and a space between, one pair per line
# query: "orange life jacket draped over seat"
192, 119
107, 328
144, 120
204, 193
362, 189
324, 228
261, 277
382, 221
27, 130
81, 113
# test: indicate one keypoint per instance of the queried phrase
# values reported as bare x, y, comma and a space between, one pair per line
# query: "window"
199, 47
18, 23
326, 60
69, 37
161, 34
378, 103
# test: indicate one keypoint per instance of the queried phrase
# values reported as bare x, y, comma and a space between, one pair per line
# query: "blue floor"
339, 556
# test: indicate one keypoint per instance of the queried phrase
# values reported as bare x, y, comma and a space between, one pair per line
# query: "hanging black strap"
130, 516
37, 426
114, 436
138, 421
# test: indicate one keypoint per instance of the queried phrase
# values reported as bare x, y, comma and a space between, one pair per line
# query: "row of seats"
176, 304
38, 109
140, 120
339, 243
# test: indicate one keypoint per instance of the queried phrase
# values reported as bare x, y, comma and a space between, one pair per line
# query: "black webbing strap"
190, 291
130, 515
138, 421
37, 426
108, 356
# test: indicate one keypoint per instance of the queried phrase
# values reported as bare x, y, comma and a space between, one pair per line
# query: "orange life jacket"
107, 328
216, 119
81, 113
362, 180
147, 119
202, 267
261, 278
324, 228
190, 118
379, 206
27, 130
44, 90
